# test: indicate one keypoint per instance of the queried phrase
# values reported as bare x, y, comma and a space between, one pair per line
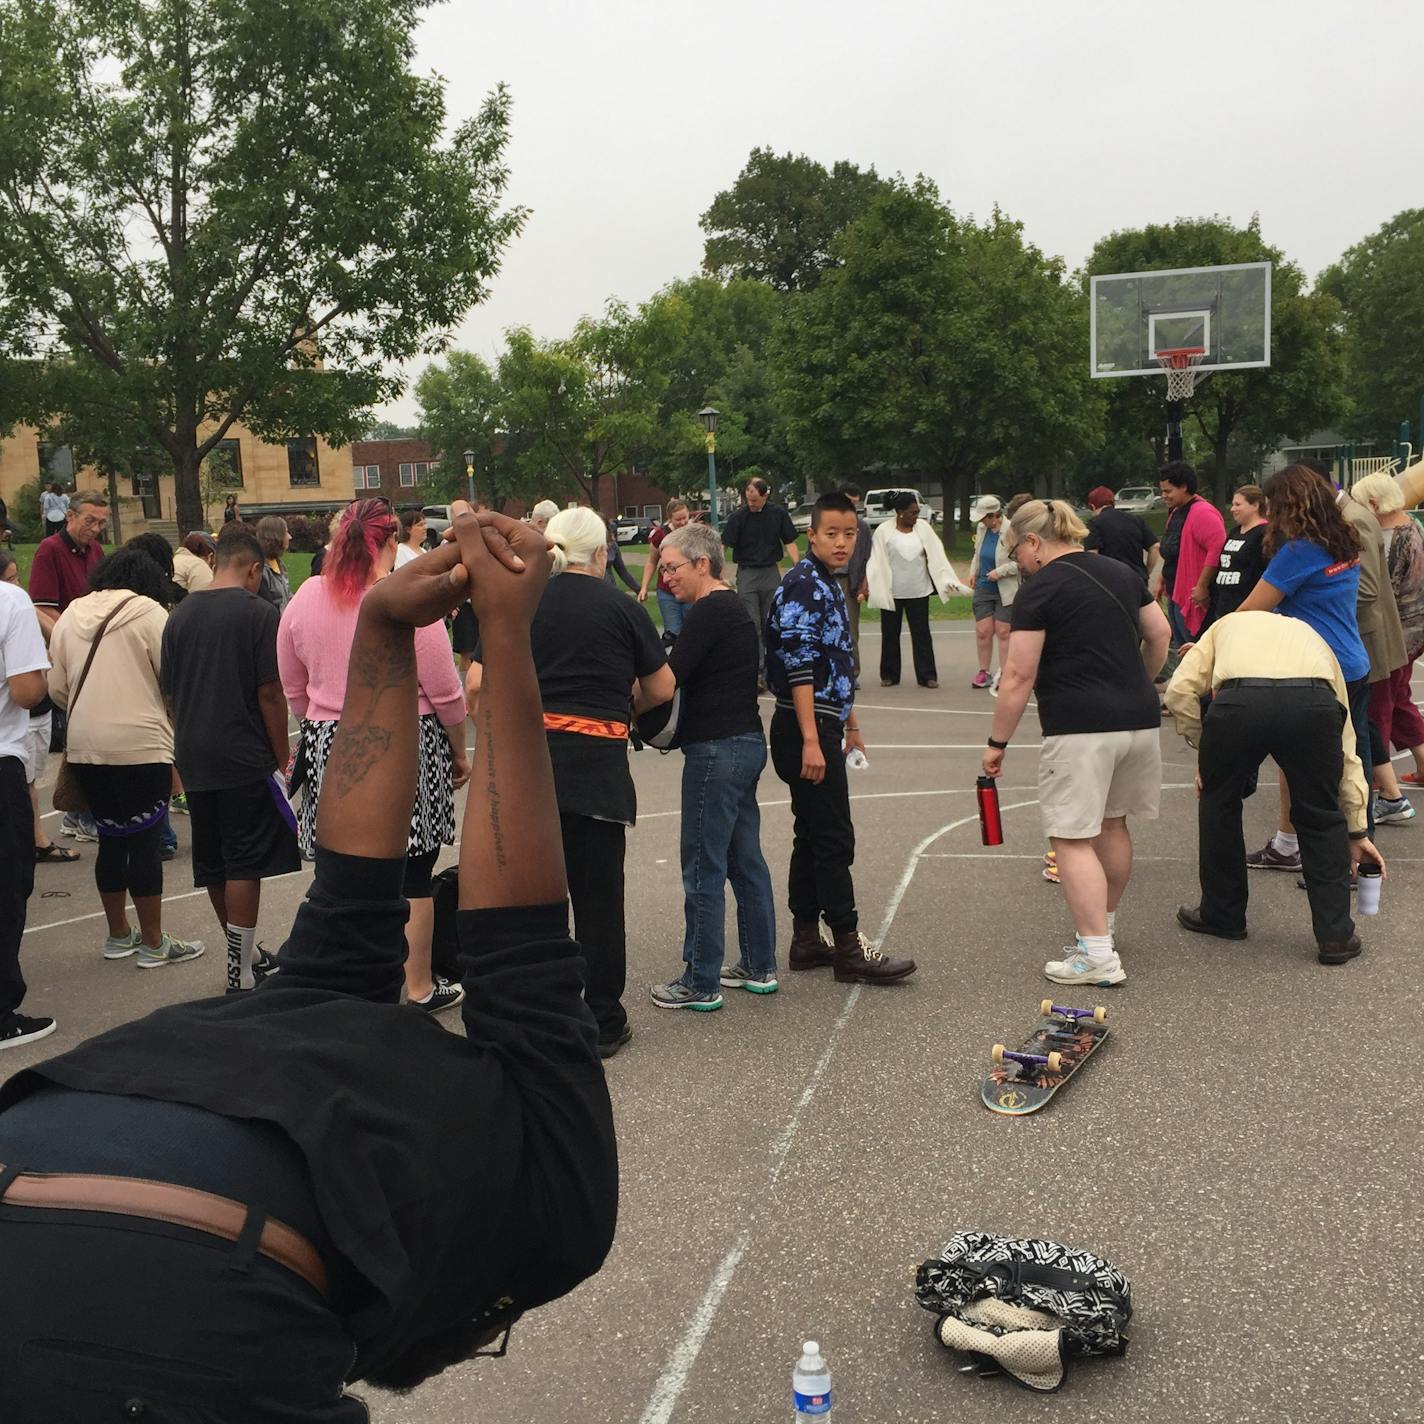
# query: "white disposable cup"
1368, 898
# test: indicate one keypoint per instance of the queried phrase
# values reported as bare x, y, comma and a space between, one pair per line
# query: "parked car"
437, 521
1138, 499
629, 529
801, 517
876, 507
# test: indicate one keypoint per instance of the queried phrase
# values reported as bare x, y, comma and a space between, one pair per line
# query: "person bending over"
314, 1215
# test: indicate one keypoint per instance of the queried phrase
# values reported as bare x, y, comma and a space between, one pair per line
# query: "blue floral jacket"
808, 640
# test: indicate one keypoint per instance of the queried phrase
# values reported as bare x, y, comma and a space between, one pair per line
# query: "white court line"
940, 746
863, 796
673, 1380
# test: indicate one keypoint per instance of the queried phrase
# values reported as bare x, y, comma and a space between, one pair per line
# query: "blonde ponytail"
1051, 520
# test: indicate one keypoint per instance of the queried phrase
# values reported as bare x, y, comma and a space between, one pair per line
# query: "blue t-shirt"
988, 554
1322, 593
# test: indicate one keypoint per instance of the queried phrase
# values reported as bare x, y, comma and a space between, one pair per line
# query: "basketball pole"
1174, 429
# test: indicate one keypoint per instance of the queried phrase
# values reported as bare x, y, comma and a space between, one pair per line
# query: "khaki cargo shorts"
1085, 778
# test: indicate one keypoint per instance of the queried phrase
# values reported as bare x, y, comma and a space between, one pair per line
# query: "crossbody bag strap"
94, 648
1117, 603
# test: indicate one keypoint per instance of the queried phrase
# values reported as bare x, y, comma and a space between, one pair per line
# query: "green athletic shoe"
169, 951
179, 803
738, 976
122, 947
678, 996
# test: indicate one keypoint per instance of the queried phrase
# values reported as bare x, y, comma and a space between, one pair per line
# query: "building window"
653, 512
225, 464
367, 476
56, 465
630, 511
407, 476
422, 469
301, 462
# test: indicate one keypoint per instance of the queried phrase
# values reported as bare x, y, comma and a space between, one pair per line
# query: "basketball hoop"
1182, 367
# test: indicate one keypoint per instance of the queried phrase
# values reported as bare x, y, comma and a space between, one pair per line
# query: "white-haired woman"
1392, 709
591, 645
542, 513
716, 664
1088, 639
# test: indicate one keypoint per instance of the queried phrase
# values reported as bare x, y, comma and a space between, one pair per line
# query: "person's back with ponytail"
577, 535
366, 525
1050, 519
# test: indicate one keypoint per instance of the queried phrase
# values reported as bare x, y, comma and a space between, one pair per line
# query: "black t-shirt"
1172, 542
1091, 677
758, 538
509, 1190
1121, 535
1243, 561
715, 661
219, 647
590, 643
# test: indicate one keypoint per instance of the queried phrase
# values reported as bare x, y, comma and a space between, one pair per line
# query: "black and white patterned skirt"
432, 818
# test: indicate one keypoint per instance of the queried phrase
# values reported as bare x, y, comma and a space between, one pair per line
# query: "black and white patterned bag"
1025, 1306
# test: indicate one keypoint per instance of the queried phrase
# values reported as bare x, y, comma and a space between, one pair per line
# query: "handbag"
68, 794
658, 727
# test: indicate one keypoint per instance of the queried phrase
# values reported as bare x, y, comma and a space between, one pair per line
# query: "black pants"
1300, 728
593, 861
917, 612
823, 838
17, 879
129, 805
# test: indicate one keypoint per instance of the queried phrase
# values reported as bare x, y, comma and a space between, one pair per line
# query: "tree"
939, 345
389, 430
776, 223
223, 210
458, 403
1379, 284
1235, 416
578, 410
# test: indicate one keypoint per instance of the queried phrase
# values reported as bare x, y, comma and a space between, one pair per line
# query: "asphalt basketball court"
1245, 1146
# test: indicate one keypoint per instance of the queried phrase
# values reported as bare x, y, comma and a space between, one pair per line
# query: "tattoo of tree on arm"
354, 752
492, 791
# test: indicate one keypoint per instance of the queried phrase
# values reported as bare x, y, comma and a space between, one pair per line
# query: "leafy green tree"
389, 430
1234, 417
222, 210
458, 403
1379, 284
776, 223
939, 345
578, 410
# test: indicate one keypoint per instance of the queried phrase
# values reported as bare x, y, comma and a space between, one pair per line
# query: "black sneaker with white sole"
444, 995
17, 1029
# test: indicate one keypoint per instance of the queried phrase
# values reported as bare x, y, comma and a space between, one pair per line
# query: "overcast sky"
630, 115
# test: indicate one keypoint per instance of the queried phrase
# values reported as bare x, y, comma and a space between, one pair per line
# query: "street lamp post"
708, 417
470, 475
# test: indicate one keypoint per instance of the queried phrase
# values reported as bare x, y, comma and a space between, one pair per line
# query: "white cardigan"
877, 572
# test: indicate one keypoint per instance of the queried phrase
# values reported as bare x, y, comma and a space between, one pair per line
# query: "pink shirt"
314, 647
1203, 535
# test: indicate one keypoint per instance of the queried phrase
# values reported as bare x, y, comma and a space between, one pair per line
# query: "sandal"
60, 855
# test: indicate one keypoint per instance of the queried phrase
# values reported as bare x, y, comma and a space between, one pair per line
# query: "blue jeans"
168, 837
721, 841
672, 611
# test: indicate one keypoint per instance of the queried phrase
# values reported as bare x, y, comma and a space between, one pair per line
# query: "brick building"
398, 469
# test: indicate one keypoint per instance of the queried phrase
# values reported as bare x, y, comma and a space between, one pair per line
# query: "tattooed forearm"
492, 791
354, 752
381, 665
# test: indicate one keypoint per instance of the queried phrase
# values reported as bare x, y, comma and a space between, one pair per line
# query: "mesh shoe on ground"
1077, 968
737, 976
179, 803
123, 946
169, 951
17, 1030
1393, 813
1269, 858
678, 996
980, 679
80, 828
444, 995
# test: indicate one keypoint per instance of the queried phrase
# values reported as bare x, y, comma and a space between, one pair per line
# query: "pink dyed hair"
365, 526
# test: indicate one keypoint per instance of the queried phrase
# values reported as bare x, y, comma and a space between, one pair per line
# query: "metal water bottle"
991, 825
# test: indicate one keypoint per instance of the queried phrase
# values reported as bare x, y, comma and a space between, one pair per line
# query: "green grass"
298, 565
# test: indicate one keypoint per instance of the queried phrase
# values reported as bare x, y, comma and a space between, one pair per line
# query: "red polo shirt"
61, 569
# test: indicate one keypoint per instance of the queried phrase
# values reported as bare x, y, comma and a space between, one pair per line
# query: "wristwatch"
998, 746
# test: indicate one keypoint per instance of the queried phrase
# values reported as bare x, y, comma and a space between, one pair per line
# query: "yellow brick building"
295, 477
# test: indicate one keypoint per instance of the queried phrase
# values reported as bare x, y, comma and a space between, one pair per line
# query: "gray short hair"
697, 541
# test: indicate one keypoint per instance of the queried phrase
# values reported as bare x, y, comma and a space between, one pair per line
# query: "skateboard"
1024, 1080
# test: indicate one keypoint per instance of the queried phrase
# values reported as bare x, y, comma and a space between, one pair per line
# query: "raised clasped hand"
507, 563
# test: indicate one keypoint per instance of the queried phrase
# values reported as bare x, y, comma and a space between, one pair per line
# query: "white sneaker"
1077, 968
994, 686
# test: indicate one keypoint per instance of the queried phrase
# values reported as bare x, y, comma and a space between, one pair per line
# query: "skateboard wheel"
1099, 1014
997, 1053
1046, 1007
1055, 1062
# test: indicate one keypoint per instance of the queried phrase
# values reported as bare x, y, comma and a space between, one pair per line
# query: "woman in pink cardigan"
1195, 532
313, 652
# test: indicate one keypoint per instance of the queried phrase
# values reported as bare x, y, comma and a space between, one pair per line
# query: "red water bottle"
991, 825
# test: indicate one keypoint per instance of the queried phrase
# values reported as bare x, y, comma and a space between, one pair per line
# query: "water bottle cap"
1369, 867
811, 1347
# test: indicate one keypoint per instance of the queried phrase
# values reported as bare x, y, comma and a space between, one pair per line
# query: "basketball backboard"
1218, 318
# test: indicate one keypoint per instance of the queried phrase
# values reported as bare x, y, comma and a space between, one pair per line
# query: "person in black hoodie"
236, 1207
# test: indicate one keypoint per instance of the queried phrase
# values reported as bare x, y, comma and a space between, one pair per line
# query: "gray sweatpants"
755, 587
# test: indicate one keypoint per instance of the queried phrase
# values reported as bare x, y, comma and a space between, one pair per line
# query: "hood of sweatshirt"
89, 612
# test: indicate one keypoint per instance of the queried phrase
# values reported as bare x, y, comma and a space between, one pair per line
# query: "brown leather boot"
857, 963
808, 949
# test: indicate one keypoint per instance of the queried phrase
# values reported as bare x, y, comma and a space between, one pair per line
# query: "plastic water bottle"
811, 1382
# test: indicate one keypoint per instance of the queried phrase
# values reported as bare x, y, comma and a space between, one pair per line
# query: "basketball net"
1182, 368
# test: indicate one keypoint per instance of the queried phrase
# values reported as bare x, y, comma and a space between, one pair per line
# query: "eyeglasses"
668, 568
